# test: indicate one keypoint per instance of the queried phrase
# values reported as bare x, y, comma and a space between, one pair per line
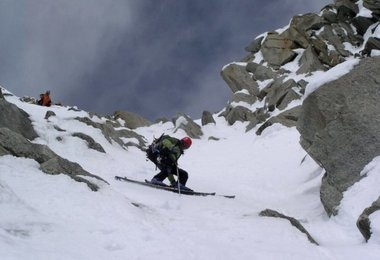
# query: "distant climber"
164, 152
45, 99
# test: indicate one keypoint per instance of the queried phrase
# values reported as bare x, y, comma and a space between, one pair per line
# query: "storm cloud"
155, 58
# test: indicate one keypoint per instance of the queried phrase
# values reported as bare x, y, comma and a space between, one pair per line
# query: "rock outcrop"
90, 142
340, 128
16, 119
15, 144
363, 223
207, 118
311, 42
293, 221
184, 122
116, 135
131, 120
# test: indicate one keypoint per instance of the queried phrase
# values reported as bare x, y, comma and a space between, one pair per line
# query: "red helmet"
186, 142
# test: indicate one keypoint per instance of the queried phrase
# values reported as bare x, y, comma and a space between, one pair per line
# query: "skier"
164, 152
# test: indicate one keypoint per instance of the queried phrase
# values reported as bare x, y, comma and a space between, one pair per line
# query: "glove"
164, 160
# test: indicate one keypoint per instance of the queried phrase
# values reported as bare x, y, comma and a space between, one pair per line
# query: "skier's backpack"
153, 150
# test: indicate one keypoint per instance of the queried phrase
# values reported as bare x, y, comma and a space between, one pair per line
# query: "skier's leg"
161, 176
183, 176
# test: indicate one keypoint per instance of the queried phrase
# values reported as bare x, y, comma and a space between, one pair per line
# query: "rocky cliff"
275, 73
339, 121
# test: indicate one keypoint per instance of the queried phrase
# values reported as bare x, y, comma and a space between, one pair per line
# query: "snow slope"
48, 217
53, 217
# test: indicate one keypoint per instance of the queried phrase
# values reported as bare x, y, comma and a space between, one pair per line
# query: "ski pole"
179, 187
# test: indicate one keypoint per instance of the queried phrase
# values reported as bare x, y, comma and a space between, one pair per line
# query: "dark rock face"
16, 120
17, 145
340, 128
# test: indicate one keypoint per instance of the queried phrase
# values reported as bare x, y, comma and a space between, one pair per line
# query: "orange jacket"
45, 100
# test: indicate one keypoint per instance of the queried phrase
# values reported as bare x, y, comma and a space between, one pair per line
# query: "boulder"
92, 144
184, 122
3, 151
49, 114
307, 22
260, 72
330, 58
363, 223
309, 62
300, 38
280, 94
330, 16
347, 34
293, 221
16, 120
131, 120
238, 113
260, 115
287, 118
340, 128
276, 50
329, 35
347, 9
362, 24
255, 46
30, 100
237, 78
242, 97
373, 43
207, 118
373, 5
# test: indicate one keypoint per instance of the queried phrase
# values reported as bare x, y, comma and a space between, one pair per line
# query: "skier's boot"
181, 187
156, 181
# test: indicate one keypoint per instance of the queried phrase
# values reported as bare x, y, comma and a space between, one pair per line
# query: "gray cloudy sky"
151, 57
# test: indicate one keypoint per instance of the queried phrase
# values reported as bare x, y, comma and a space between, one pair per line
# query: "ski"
172, 189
